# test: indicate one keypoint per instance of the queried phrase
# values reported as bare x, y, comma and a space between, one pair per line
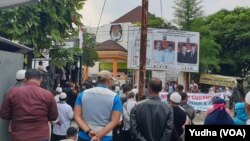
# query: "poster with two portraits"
166, 49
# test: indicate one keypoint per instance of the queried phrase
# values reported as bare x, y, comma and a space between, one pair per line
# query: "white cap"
93, 81
59, 89
175, 97
20, 75
247, 98
62, 96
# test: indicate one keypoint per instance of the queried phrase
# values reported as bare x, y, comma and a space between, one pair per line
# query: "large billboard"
166, 50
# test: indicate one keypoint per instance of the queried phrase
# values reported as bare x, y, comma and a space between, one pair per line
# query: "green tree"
157, 22
185, 11
209, 49
90, 55
232, 31
38, 25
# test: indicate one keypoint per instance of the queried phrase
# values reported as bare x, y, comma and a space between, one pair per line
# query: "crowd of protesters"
105, 111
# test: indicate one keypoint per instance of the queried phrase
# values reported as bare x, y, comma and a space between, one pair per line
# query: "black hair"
180, 87
40, 62
126, 88
184, 96
71, 132
33, 74
155, 84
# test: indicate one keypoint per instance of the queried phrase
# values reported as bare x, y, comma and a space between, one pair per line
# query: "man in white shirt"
63, 121
57, 93
127, 107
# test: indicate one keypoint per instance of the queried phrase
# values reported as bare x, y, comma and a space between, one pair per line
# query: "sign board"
166, 50
116, 32
218, 80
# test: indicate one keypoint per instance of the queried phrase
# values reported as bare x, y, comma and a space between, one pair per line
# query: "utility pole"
143, 48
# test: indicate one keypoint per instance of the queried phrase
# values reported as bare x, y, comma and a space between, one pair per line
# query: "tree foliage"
185, 11
231, 30
89, 53
157, 22
38, 25
209, 49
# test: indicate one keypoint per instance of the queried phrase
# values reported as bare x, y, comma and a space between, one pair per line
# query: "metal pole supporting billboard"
143, 48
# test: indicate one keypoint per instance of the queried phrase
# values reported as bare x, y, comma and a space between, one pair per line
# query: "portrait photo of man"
183, 55
193, 54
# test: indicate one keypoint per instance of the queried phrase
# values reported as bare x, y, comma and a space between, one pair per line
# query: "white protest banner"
201, 101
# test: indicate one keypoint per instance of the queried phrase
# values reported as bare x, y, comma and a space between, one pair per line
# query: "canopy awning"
218, 80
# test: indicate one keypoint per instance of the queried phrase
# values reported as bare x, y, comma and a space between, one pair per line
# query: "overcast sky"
116, 8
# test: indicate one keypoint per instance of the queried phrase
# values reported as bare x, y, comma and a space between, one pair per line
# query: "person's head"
188, 40
184, 97
179, 88
63, 97
175, 98
130, 94
164, 38
20, 75
155, 86
105, 77
126, 88
240, 111
58, 90
183, 48
72, 133
40, 63
93, 82
33, 75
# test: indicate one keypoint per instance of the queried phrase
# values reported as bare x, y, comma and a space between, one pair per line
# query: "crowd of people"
105, 111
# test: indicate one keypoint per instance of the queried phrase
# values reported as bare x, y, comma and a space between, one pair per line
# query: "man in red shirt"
29, 108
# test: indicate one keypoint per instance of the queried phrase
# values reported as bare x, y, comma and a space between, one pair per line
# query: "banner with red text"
199, 101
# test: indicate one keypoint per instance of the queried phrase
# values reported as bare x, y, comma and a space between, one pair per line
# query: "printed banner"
218, 80
166, 50
199, 101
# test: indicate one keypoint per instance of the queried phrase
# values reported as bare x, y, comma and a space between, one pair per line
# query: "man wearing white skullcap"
63, 121
20, 77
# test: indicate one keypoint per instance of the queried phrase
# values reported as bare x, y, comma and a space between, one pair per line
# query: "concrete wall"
9, 64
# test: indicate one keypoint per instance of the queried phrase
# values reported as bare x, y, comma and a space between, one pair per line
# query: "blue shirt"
97, 105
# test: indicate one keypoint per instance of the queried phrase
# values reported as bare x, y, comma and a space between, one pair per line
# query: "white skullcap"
62, 96
93, 81
175, 97
247, 98
20, 75
59, 89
